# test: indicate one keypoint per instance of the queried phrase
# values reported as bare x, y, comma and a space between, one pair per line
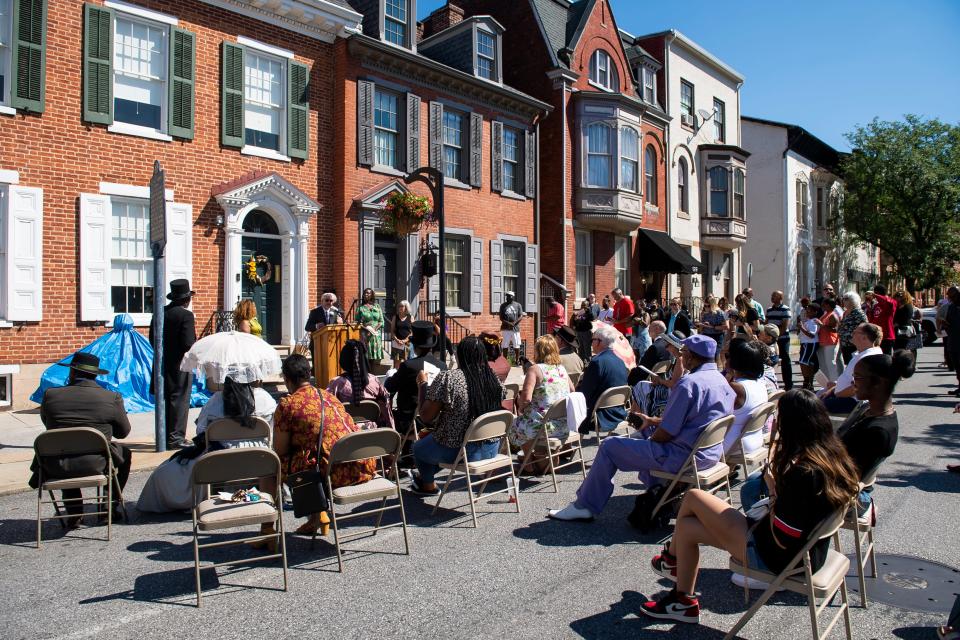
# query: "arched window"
598, 156
718, 191
603, 72
682, 199
629, 159
650, 174
260, 222
738, 193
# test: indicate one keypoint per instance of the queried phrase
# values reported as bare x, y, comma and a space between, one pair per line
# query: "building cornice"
318, 19
375, 55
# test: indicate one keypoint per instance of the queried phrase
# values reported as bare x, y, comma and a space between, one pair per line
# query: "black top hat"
566, 334
180, 289
85, 363
423, 334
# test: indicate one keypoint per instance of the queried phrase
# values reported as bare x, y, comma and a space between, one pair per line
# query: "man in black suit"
326, 313
403, 383
179, 334
655, 353
84, 403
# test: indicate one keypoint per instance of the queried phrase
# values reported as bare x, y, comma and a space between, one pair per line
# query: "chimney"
443, 18
419, 31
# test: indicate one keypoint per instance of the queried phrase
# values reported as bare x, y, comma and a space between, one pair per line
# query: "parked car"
928, 325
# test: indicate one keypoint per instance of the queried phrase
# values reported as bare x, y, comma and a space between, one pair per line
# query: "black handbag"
308, 488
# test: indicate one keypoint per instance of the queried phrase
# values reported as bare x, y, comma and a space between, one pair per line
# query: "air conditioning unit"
686, 119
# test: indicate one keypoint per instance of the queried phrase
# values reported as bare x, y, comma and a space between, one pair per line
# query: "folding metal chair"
228, 429
366, 411
361, 445
799, 577
486, 427
574, 378
73, 441
662, 367
755, 422
553, 447
213, 514
863, 544
775, 399
710, 480
512, 392
609, 399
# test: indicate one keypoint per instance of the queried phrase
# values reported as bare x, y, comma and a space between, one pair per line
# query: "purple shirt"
699, 398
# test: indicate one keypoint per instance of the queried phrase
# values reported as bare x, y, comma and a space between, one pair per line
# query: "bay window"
629, 159
599, 156
738, 193
719, 190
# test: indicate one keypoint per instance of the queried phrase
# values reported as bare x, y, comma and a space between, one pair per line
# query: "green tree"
902, 194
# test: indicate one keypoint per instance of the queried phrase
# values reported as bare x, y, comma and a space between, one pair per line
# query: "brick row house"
603, 199
282, 127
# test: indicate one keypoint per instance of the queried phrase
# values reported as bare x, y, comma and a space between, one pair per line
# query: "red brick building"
252, 110
602, 147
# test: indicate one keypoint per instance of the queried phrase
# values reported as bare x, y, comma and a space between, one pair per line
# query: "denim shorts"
753, 557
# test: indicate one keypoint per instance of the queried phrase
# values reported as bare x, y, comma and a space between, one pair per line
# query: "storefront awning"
659, 253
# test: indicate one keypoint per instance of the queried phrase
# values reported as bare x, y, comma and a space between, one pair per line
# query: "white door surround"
292, 210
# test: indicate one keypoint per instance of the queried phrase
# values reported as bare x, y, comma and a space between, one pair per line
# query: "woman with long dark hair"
453, 401
370, 316
357, 383
810, 476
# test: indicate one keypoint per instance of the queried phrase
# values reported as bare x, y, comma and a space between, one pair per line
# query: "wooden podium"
328, 340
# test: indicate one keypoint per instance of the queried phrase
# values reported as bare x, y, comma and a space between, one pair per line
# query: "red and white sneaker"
665, 564
673, 606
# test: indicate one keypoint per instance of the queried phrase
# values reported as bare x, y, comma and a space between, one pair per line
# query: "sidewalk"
18, 430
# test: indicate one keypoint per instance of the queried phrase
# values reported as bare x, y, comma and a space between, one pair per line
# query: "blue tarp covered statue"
128, 356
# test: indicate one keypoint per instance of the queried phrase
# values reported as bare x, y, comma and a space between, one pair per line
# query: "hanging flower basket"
405, 213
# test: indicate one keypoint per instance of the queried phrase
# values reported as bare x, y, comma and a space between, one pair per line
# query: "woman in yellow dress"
245, 318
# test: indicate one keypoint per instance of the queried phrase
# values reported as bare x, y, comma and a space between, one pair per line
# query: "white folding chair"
511, 393
799, 577
775, 399
230, 466
556, 447
863, 544
361, 445
74, 441
662, 367
610, 399
486, 427
710, 480
754, 424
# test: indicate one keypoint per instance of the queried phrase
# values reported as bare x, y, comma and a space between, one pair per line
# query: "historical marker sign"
158, 211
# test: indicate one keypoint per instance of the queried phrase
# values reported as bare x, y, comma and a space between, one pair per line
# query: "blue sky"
826, 66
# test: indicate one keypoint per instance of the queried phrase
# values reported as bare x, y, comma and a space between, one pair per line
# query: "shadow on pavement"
609, 529
914, 633
624, 620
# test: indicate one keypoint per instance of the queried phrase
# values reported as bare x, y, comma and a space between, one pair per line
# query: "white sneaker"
752, 583
571, 513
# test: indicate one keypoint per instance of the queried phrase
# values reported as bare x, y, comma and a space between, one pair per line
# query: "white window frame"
494, 58
518, 288
739, 209
634, 161
719, 120
683, 186
820, 193
142, 318
518, 164
6, 56
609, 154
711, 172
397, 132
689, 109
583, 285
801, 201
135, 14
621, 263
603, 73
649, 82
650, 187
463, 304
273, 54
405, 24
464, 140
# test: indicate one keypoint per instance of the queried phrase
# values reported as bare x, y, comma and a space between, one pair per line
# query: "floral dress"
553, 386
299, 414
372, 316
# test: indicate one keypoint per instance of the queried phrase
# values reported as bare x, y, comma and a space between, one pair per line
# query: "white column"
303, 302
288, 299
231, 267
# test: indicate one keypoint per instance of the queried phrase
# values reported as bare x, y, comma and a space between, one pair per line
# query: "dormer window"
486, 55
603, 73
648, 79
395, 22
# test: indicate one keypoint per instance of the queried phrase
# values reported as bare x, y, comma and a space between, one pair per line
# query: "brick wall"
65, 156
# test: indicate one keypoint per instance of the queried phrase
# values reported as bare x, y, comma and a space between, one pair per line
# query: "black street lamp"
433, 178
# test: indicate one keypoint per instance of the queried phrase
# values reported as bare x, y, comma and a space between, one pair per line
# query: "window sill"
456, 184
684, 215
139, 319
141, 132
458, 313
601, 87
387, 170
7, 111
654, 209
513, 195
5, 325
688, 127
260, 152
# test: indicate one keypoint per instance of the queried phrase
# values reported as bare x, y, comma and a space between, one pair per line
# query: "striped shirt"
779, 314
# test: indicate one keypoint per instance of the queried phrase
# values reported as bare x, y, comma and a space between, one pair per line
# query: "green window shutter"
298, 109
97, 64
182, 82
29, 52
231, 98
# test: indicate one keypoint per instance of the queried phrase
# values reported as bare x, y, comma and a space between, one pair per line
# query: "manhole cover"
908, 583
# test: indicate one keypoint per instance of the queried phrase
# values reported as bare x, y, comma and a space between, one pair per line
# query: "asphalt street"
516, 576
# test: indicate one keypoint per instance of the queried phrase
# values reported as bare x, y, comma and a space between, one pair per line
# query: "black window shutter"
182, 83
97, 64
231, 96
476, 149
365, 93
436, 135
413, 132
298, 110
530, 164
496, 144
29, 53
